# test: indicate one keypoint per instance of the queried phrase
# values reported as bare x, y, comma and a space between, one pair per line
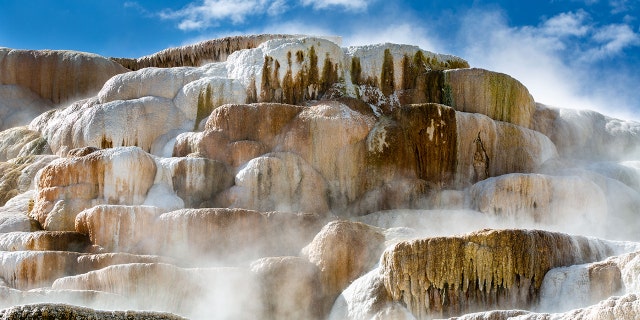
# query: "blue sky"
569, 53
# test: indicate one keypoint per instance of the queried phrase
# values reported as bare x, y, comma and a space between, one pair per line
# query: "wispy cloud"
619, 6
207, 13
346, 4
204, 14
137, 7
566, 24
288, 27
557, 59
611, 40
580, 38
529, 56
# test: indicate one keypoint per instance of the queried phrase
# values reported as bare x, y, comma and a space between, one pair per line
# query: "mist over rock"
625, 307
297, 279
235, 235
585, 134
343, 251
535, 198
19, 106
287, 177
184, 289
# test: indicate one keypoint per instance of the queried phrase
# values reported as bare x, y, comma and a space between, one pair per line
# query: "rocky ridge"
286, 177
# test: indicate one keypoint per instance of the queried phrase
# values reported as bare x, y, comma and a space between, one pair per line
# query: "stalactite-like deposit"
34, 269
119, 228
449, 276
308, 83
195, 55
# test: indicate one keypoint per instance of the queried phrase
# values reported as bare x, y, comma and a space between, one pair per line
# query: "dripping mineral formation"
287, 177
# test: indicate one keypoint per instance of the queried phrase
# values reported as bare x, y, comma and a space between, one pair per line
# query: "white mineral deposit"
287, 177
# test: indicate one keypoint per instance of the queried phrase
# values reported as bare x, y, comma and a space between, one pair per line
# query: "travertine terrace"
287, 177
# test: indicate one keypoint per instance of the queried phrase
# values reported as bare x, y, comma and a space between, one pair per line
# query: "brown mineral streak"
420, 143
307, 84
194, 55
57, 241
431, 141
448, 276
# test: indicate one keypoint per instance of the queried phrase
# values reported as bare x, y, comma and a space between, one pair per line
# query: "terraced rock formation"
287, 177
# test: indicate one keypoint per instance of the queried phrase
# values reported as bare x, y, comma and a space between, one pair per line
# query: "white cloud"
346, 4
619, 6
132, 4
189, 24
567, 24
492, 44
136, 6
588, 2
546, 62
611, 40
277, 7
289, 27
208, 12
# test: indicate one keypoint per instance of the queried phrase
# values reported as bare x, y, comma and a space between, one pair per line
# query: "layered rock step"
62, 311
502, 269
285, 177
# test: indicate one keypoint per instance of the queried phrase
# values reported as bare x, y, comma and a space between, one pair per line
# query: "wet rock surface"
60, 311
287, 177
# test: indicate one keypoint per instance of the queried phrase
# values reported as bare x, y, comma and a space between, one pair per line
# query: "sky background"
569, 53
